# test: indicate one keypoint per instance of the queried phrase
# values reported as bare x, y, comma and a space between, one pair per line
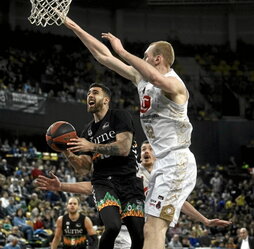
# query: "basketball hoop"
49, 12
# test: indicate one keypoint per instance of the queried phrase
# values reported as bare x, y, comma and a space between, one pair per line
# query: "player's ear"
106, 100
158, 59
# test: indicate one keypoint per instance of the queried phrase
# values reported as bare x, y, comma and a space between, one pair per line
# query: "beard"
96, 107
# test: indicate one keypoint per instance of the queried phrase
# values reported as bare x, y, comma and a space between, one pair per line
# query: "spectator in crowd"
21, 221
193, 239
186, 242
37, 169
5, 199
216, 182
5, 146
13, 244
3, 211
15, 187
5, 168
7, 225
175, 242
15, 232
230, 243
205, 239
246, 242
34, 201
12, 207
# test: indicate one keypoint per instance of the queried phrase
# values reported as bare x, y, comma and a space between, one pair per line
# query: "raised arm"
148, 71
121, 147
189, 210
101, 53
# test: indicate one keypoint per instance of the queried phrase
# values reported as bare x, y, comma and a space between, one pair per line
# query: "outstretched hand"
46, 183
217, 223
114, 41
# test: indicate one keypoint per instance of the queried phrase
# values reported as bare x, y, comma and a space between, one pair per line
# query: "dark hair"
145, 142
104, 88
17, 212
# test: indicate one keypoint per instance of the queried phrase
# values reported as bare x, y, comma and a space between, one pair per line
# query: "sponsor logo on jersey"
145, 104
158, 205
78, 225
103, 137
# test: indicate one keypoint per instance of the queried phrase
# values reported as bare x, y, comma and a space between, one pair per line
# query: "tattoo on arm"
108, 149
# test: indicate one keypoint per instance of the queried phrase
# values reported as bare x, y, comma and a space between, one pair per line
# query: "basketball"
59, 134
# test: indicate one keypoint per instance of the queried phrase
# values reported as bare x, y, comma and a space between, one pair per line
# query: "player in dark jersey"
109, 146
73, 228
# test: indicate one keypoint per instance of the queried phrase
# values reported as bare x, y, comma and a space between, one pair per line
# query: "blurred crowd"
51, 67
60, 67
28, 215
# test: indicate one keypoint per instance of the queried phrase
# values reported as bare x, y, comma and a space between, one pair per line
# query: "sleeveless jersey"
164, 122
105, 131
74, 233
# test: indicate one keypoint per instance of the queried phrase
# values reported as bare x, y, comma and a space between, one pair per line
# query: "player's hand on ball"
80, 145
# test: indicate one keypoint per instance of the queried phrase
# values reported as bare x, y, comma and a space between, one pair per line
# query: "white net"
49, 12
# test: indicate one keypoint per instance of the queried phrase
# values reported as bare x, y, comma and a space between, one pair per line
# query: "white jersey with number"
168, 130
164, 122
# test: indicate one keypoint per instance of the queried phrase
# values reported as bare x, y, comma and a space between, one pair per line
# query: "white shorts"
172, 180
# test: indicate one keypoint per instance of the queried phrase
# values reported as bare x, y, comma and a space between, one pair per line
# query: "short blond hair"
165, 49
73, 197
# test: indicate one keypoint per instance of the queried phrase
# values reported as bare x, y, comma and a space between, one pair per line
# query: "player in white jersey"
169, 131
164, 100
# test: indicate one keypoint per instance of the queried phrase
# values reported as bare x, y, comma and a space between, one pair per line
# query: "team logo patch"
167, 212
106, 125
90, 133
133, 209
